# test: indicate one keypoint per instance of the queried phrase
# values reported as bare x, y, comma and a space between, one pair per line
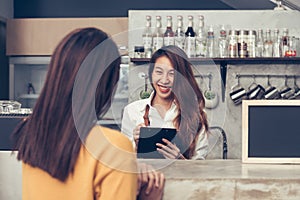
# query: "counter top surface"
223, 169
228, 180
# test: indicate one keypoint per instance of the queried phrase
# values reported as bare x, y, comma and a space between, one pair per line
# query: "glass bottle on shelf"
292, 52
260, 43
189, 44
210, 43
268, 44
179, 34
233, 43
223, 43
276, 44
201, 38
169, 33
147, 38
243, 40
285, 42
252, 44
158, 36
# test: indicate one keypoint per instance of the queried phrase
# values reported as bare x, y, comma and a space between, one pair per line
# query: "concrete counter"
201, 180
228, 179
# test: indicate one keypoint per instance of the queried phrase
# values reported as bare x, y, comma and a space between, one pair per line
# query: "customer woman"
64, 153
176, 102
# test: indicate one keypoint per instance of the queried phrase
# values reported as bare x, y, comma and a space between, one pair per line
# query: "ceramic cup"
237, 93
286, 92
256, 92
271, 93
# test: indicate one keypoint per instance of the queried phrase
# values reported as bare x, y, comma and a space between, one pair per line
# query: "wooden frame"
245, 128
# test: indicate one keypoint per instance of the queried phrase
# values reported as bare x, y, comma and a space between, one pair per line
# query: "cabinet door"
40, 36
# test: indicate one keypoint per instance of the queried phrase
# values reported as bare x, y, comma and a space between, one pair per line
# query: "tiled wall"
226, 115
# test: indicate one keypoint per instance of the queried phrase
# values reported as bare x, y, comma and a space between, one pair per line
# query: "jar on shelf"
139, 52
233, 43
243, 43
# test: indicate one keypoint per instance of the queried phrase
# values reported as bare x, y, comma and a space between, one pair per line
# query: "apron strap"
146, 116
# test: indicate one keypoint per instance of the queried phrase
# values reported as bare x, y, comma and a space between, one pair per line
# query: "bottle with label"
189, 44
223, 43
252, 44
233, 45
169, 33
179, 33
268, 44
292, 52
276, 44
260, 43
211, 51
201, 38
285, 42
243, 43
147, 38
158, 36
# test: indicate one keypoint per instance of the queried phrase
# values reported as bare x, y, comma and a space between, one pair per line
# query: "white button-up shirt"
133, 116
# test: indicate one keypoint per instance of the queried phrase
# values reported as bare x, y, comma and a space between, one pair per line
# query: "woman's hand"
169, 150
136, 133
150, 183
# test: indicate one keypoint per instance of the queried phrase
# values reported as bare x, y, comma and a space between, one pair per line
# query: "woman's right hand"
136, 133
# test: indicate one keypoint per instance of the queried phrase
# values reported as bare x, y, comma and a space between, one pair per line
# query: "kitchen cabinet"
28, 74
39, 36
30, 43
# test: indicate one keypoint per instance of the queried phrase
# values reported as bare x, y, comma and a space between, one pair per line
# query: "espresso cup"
238, 95
286, 93
256, 92
297, 94
271, 93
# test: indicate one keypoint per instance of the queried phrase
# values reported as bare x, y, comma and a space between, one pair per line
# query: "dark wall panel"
4, 69
101, 8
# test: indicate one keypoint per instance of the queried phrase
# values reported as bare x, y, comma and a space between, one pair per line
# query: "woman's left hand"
150, 183
169, 150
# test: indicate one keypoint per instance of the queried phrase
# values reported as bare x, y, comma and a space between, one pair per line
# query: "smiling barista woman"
176, 102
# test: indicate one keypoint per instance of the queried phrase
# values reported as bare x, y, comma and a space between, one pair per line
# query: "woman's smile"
164, 88
163, 77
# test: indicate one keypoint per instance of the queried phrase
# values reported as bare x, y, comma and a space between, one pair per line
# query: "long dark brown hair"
80, 83
187, 95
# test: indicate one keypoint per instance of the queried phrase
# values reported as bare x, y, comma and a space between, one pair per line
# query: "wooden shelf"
29, 96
